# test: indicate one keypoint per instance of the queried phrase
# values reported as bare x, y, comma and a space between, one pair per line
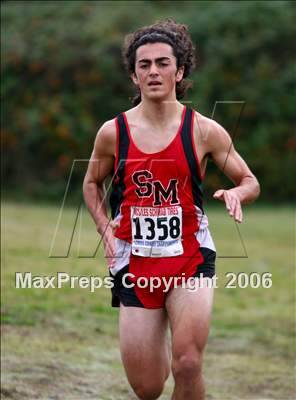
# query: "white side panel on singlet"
203, 235
122, 255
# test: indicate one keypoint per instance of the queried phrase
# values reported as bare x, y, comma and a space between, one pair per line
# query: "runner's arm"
99, 167
224, 155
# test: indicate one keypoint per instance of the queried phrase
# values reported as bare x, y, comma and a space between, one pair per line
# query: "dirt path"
51, 363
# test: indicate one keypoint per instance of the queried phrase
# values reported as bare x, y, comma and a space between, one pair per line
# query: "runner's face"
156, 71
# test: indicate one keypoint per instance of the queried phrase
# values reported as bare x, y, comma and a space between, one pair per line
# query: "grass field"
63, 343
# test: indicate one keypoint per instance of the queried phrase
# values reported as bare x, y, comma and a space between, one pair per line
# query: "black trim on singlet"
196, 182
118, 186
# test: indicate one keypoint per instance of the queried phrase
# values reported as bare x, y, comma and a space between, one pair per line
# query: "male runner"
158, 152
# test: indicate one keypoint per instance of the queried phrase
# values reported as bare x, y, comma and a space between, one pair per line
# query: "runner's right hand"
109, 242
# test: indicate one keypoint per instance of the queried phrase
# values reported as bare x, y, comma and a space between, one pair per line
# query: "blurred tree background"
62, 77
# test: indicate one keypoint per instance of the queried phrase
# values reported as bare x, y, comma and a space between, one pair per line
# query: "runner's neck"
159, 115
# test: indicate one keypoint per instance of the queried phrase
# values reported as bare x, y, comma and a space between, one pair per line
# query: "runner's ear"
134, 78
180, 73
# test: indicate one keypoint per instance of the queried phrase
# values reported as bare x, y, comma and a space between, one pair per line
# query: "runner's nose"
153, 70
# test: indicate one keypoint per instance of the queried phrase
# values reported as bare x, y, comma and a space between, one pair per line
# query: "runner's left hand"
232, 202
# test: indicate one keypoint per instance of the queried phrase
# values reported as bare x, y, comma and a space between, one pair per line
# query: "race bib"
156, 232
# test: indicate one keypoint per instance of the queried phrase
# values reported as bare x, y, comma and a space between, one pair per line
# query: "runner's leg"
144, 349
189, 314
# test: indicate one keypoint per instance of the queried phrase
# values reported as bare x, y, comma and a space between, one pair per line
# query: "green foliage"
62, 77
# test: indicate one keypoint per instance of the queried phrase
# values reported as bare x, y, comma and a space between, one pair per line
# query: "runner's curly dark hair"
167, 31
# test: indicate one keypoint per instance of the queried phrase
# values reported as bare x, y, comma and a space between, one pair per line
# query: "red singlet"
158, 200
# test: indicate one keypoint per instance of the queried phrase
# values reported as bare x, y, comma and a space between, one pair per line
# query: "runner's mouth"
154, 83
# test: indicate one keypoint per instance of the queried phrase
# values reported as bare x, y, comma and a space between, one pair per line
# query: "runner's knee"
148, 391
187, 365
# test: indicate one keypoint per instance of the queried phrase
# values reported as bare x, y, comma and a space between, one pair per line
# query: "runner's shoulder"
204, 123
107, 131
106, 137
210, 131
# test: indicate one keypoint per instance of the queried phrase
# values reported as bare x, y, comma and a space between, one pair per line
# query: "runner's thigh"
144, 344
189, 314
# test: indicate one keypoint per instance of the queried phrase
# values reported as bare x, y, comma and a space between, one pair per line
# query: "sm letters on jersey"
146, 187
